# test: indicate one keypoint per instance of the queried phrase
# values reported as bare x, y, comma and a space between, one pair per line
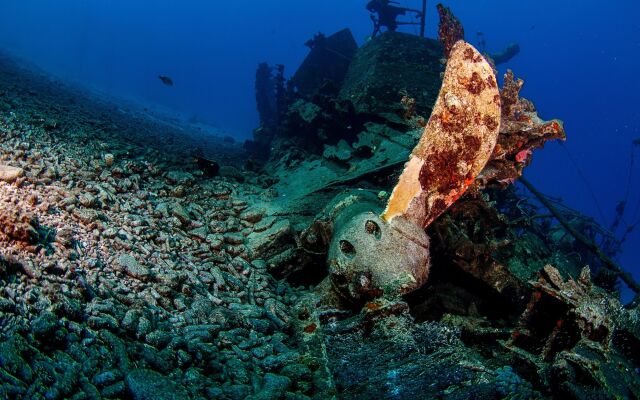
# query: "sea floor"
125, 273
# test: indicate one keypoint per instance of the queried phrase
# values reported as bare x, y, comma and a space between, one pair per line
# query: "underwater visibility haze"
319, 199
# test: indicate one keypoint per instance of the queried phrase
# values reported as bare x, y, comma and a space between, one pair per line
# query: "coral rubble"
128, 276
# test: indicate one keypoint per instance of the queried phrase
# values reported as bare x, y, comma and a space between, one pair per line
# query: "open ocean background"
580, 62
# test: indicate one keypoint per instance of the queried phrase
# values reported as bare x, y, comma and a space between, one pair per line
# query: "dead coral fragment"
521, 132
456, 143
18, 226
10, 174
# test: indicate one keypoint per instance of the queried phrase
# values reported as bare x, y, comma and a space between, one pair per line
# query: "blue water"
580, 61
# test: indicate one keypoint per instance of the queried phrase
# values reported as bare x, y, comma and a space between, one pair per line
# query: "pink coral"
523, 155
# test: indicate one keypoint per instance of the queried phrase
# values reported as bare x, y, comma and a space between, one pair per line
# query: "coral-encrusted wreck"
371, 256
484, 302
521, 132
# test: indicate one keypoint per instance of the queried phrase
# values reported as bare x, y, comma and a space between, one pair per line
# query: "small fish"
482, 43
636, 142
166, 80
208, 167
